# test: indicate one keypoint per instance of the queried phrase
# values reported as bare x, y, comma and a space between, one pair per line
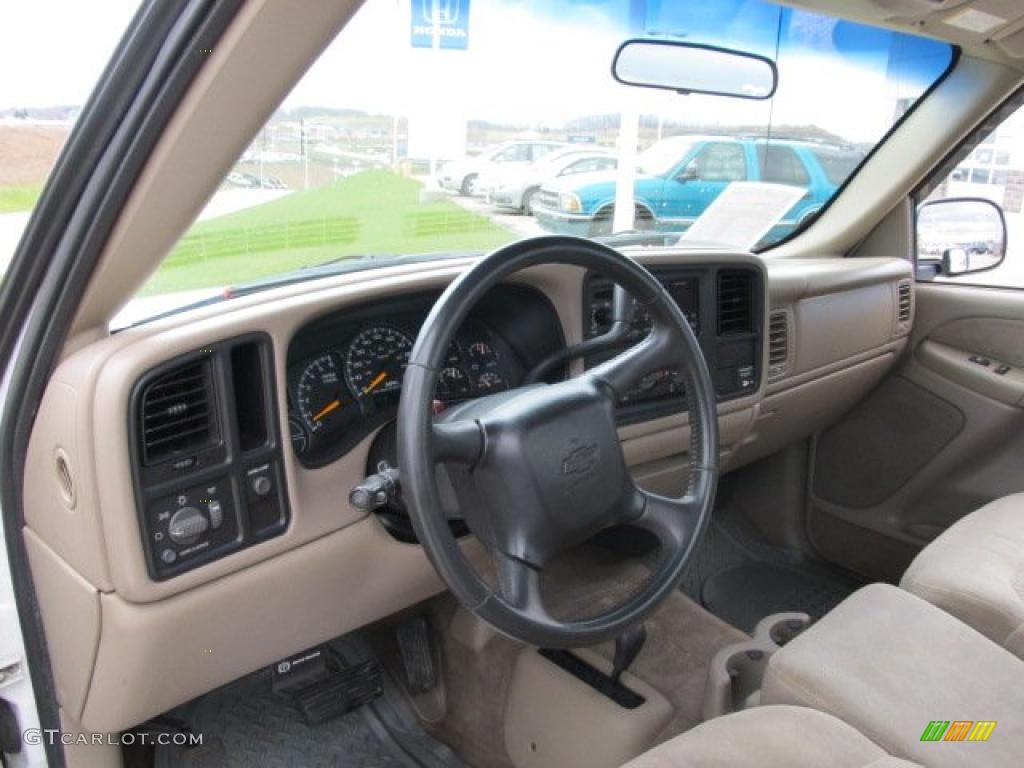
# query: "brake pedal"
322, 687
417, 654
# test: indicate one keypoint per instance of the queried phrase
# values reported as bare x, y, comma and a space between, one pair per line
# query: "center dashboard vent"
735, 302
178, 414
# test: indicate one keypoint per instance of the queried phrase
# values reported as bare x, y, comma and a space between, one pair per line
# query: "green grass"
371, 212
19, 198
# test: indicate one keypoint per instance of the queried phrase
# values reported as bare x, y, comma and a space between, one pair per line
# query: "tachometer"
376, 360
320, 394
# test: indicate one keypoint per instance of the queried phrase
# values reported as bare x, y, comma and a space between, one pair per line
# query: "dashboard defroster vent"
178, 414
905, 302
735, 302
778, 344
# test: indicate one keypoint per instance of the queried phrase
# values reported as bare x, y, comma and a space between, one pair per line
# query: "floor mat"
741, 579
245, 724
745, 594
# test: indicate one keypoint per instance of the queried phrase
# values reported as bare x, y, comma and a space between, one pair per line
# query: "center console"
724, 306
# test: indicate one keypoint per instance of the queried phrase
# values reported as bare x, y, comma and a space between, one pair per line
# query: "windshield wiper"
329, 268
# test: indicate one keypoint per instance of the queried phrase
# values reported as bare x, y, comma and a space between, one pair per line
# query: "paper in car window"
743, 213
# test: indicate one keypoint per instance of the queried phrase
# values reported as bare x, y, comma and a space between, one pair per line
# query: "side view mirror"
965, 235
689, 173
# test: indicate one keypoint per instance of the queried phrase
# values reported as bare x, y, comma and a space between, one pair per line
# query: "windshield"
662, 157
425, 125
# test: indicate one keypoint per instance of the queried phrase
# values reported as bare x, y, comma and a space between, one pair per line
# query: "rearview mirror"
965, 235
693, 68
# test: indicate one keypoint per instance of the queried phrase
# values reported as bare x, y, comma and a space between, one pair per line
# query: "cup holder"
780, 628
737, 670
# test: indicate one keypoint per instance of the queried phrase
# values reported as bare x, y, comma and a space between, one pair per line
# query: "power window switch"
979, 360
1002, 369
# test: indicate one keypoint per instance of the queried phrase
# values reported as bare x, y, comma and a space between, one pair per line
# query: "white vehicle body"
513, 187
461, 175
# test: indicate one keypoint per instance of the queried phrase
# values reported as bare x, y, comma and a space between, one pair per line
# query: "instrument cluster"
346, 389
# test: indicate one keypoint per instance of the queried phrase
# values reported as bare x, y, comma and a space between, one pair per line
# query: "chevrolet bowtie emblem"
580, 459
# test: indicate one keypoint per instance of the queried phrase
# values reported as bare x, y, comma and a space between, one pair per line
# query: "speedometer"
320, 395
375, 362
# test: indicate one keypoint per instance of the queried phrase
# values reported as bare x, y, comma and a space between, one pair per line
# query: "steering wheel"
539, 469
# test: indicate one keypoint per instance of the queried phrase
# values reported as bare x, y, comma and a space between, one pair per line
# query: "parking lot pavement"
521, 226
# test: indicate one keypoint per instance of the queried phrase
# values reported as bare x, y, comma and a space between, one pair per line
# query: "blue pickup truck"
679, 177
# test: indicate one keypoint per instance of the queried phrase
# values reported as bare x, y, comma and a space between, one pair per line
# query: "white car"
461, 175
514, 187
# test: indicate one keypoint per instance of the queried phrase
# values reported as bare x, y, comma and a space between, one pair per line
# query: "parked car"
679, 177
461, 175
515, 187
272, 182
242, 180
238, 179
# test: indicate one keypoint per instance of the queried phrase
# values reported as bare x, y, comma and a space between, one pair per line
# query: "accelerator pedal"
417, 652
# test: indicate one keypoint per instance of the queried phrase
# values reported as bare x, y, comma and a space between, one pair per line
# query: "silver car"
462, 175
515, 187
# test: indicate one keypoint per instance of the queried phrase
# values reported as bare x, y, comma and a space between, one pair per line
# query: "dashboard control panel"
207, 459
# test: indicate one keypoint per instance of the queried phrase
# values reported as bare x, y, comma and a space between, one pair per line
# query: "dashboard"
194, 415
211, 453
345, 369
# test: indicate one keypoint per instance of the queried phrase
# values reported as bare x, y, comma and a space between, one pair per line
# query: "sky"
53, 51
543, 62
528, 61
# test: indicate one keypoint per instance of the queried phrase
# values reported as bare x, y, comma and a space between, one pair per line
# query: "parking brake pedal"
417, 654
322, 687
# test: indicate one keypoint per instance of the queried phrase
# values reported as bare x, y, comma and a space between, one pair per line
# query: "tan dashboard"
126, 646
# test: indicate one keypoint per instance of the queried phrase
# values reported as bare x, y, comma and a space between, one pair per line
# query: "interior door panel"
940, 437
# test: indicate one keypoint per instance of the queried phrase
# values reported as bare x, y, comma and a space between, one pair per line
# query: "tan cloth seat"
770, 737
975, 571
888, 663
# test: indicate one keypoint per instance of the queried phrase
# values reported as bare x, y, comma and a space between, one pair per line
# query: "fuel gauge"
299, 435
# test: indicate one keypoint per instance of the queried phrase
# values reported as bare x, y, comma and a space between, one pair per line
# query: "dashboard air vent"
178, 413
735, 302
904, 302
778, 343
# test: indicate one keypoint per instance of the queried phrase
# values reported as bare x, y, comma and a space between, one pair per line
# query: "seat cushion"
975, 571
888, 663
765, 737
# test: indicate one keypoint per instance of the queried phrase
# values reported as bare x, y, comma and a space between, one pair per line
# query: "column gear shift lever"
627, 647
